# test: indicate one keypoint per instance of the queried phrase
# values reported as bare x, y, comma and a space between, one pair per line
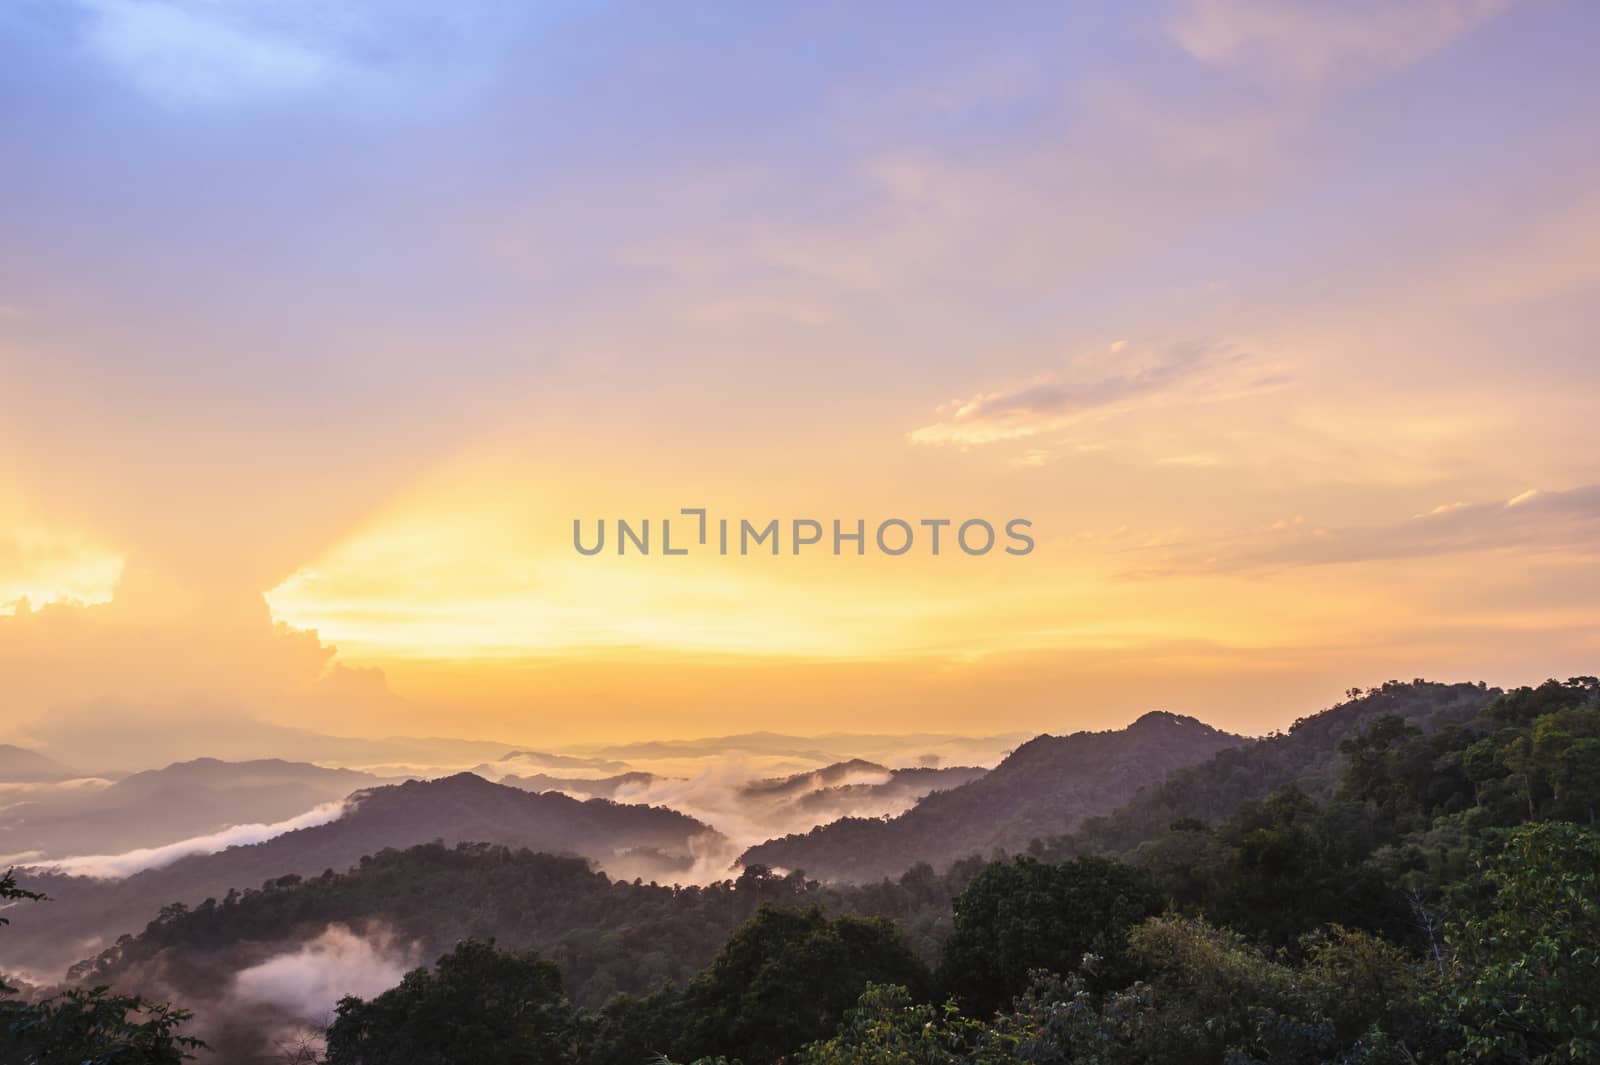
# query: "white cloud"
204, 53
189, 54
308, 982
134, 861
1054, 402
1315, 43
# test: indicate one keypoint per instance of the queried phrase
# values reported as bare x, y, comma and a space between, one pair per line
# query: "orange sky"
1276, 324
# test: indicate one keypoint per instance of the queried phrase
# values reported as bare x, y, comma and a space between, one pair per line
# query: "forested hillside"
1044, 787
86, 913
1307, 755
1435, 898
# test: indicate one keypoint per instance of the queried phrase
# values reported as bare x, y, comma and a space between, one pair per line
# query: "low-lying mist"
109, 866
734, 795
308, 982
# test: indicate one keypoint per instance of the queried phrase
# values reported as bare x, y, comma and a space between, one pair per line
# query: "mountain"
1307, 756
903, 785
19, 765
1423, 780
857, 787
108, 736
1043, 788
318, 936
796, 784
536, 762
85, 914
928, 748
593, 787
162, 806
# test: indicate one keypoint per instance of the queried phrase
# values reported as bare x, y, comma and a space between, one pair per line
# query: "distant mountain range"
19, 765
589, 787
85, 914
847, 788
929, 748
535, 762
1043, 788
1084, 792
107, 740
841, 784
162, 806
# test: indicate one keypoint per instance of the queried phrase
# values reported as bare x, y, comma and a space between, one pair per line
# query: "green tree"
1566, 748
94, 1027
1210, 997
787, 977
478, 1004
1024, 915
631, 1029
9, 893
1525, 978
87, 1027
887, 1027
1370, 758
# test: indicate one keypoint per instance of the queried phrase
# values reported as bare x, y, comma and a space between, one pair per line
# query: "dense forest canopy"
1412, 876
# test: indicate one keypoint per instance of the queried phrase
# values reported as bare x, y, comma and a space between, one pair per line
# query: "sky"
321, 324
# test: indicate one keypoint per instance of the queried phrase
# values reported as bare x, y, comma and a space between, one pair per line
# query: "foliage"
1412, 877
87, 1026
93, 1026
607, 936
630, 1029
887, 1027
10, 893
1025, 915
1044, 787
1306, 756
787, 977
1209, 998
1526, 975
478, 1004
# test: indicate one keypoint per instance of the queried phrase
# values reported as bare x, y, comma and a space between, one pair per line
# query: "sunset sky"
319, 325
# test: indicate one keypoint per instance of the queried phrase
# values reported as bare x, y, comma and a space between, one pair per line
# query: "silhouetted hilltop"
592, 787
163, 806
828, 776
1307, 755
21, 765
86, 914
1043, 788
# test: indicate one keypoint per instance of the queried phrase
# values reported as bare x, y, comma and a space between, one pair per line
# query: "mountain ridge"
86, 912
1043, 787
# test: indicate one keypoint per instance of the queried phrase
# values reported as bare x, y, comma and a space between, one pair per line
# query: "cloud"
194, 54
135, 861
1315, 43
1054, 402
1529, 521
40, 565
308, 982
204, 53
747, 805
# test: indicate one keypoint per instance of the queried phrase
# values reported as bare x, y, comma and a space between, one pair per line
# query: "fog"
737, 795
308, 982
110, 866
